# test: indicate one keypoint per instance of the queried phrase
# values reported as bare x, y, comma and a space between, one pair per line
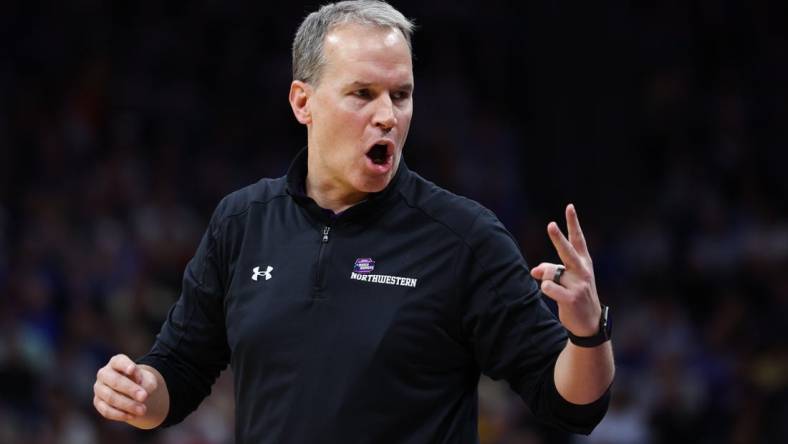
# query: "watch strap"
601, 336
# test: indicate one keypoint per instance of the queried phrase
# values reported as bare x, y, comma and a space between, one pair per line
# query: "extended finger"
565, 249
576, 237
110, 412
118, 401
121, 383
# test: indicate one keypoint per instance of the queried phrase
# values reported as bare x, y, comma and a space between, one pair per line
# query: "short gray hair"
308, 56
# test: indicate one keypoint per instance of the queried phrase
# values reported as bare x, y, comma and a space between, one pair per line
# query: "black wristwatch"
603, 335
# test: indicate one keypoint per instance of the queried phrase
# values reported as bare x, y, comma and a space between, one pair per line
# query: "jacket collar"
373, 204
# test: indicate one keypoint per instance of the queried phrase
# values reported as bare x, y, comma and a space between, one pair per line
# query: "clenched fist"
126, 391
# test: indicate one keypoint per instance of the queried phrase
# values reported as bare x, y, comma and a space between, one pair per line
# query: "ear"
300, 93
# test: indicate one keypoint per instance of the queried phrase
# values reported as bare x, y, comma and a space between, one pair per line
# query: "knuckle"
113, 399
101, 407
107, 377
119, 360
104, 393
127, 387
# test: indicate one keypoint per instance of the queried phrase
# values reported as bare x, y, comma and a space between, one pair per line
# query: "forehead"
366, 53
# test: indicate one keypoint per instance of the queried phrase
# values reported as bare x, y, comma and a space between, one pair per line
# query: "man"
356, 301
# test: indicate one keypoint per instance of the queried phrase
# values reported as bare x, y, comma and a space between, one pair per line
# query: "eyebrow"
358, 84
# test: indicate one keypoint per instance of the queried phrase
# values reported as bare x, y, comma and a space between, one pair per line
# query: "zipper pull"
325, 233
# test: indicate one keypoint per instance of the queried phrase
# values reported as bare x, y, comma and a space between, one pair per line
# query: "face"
358, 115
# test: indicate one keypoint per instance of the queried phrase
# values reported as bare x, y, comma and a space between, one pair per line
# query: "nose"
384, 117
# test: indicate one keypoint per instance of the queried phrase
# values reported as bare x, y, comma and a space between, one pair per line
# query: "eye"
400, 95
362, 93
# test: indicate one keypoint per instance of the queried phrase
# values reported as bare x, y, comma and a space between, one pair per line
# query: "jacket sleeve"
512, 333
191, 349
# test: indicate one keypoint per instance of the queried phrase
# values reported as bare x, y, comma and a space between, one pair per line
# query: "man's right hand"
132, 393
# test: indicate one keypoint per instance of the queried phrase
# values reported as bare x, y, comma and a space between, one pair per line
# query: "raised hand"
575, 292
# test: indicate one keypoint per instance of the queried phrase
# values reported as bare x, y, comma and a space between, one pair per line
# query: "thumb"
543, 270
147, 380
538, 271
135, 374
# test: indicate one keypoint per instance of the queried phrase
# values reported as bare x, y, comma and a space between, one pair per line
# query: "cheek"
333, 114
348, 107
405, 115
403, 122
336, 128
343, 121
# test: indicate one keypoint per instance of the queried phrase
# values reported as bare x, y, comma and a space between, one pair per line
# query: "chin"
374, 185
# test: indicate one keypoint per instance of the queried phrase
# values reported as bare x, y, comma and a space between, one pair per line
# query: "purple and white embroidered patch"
364, 265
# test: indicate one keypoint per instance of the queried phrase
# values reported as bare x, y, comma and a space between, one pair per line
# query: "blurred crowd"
122, 124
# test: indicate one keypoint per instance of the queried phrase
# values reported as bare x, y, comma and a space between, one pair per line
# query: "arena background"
122, 124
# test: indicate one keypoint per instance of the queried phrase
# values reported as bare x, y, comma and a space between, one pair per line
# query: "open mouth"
378, 154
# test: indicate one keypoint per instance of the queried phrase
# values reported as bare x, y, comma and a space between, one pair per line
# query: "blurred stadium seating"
123, 123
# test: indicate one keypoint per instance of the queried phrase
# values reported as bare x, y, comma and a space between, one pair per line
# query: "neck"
331, 196
327, 191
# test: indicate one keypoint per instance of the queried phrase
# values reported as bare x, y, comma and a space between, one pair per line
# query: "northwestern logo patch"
364, 265
363, 268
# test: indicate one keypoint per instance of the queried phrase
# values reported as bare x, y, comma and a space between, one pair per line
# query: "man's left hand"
579, 309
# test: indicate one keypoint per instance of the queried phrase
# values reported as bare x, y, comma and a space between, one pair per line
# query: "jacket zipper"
319, 274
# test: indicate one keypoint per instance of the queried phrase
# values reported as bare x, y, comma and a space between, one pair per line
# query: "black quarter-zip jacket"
372, 326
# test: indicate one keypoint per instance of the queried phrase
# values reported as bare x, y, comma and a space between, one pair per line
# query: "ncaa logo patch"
364, 265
